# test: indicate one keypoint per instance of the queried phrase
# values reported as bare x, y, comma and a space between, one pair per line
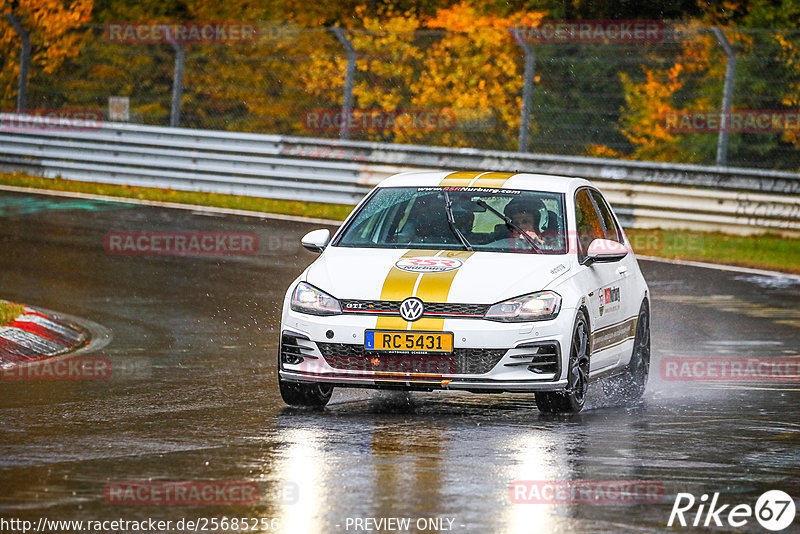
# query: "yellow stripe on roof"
492, 179
461, 178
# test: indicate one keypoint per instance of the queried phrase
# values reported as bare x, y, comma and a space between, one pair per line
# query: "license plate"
405, 341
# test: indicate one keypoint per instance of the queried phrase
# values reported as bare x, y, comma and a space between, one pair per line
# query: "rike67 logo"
774, 510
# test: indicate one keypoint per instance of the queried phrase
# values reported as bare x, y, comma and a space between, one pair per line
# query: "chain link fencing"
656, 99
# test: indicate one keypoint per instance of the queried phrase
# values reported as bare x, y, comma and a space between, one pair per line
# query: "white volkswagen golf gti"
468, 281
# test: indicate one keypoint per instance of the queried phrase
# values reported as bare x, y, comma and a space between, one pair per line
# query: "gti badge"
411, 309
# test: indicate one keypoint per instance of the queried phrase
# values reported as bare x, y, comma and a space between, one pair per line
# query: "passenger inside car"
525, 214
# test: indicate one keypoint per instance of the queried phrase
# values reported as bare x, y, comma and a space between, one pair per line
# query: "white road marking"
720, 267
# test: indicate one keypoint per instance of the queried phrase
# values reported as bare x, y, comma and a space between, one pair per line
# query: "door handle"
622, 270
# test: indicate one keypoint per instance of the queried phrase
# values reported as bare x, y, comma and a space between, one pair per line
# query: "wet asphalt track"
197, 338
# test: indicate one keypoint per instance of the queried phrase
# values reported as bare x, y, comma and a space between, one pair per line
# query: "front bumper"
488, 356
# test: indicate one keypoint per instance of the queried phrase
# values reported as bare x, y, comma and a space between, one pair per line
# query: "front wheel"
629, 386
300, 394
573, 398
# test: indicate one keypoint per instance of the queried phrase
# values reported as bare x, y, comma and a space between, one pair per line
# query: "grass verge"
9, 311
768, 251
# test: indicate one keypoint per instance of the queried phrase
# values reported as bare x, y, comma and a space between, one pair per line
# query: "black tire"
628, 387
300, 394
573, 398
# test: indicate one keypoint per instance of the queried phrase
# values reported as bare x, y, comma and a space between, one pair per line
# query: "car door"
620, 337
600, 282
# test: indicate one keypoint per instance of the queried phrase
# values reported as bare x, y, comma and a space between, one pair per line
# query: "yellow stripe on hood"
400, 285
429, 287
435, 287
432, 287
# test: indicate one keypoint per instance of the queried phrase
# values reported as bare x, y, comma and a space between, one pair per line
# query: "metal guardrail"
653, 206
729, 178
334, 171
193, 160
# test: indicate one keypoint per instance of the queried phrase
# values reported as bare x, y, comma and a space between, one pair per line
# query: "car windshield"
490, 220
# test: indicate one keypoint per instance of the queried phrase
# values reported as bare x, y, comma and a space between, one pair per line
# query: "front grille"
460, 362
456, 309
432, 309
370, 305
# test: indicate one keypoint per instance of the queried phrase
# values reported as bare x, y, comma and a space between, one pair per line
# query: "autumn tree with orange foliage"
647, 105
460, 62
457, 60
654, 92
51, 25
768, 61
386, 61
475, 68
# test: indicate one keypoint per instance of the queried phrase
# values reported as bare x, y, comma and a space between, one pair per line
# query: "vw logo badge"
411, 309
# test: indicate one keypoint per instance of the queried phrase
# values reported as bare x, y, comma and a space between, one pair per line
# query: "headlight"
308, 299
539, 306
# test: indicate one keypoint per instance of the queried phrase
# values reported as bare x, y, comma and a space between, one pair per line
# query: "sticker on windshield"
469, 189
428, 265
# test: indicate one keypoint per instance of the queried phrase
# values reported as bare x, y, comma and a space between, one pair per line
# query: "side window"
605, 215
589, 225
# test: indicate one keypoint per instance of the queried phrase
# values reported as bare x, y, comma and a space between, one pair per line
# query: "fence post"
527, 89
177, 85
727, 96
349, 80
24, 61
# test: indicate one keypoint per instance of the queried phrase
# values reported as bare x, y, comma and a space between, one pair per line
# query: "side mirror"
605, 251
316, 240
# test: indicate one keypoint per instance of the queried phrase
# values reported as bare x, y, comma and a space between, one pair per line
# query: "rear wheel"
573, 398
629, 386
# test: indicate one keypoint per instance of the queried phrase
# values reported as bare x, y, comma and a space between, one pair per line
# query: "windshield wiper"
451, 220
511, 224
